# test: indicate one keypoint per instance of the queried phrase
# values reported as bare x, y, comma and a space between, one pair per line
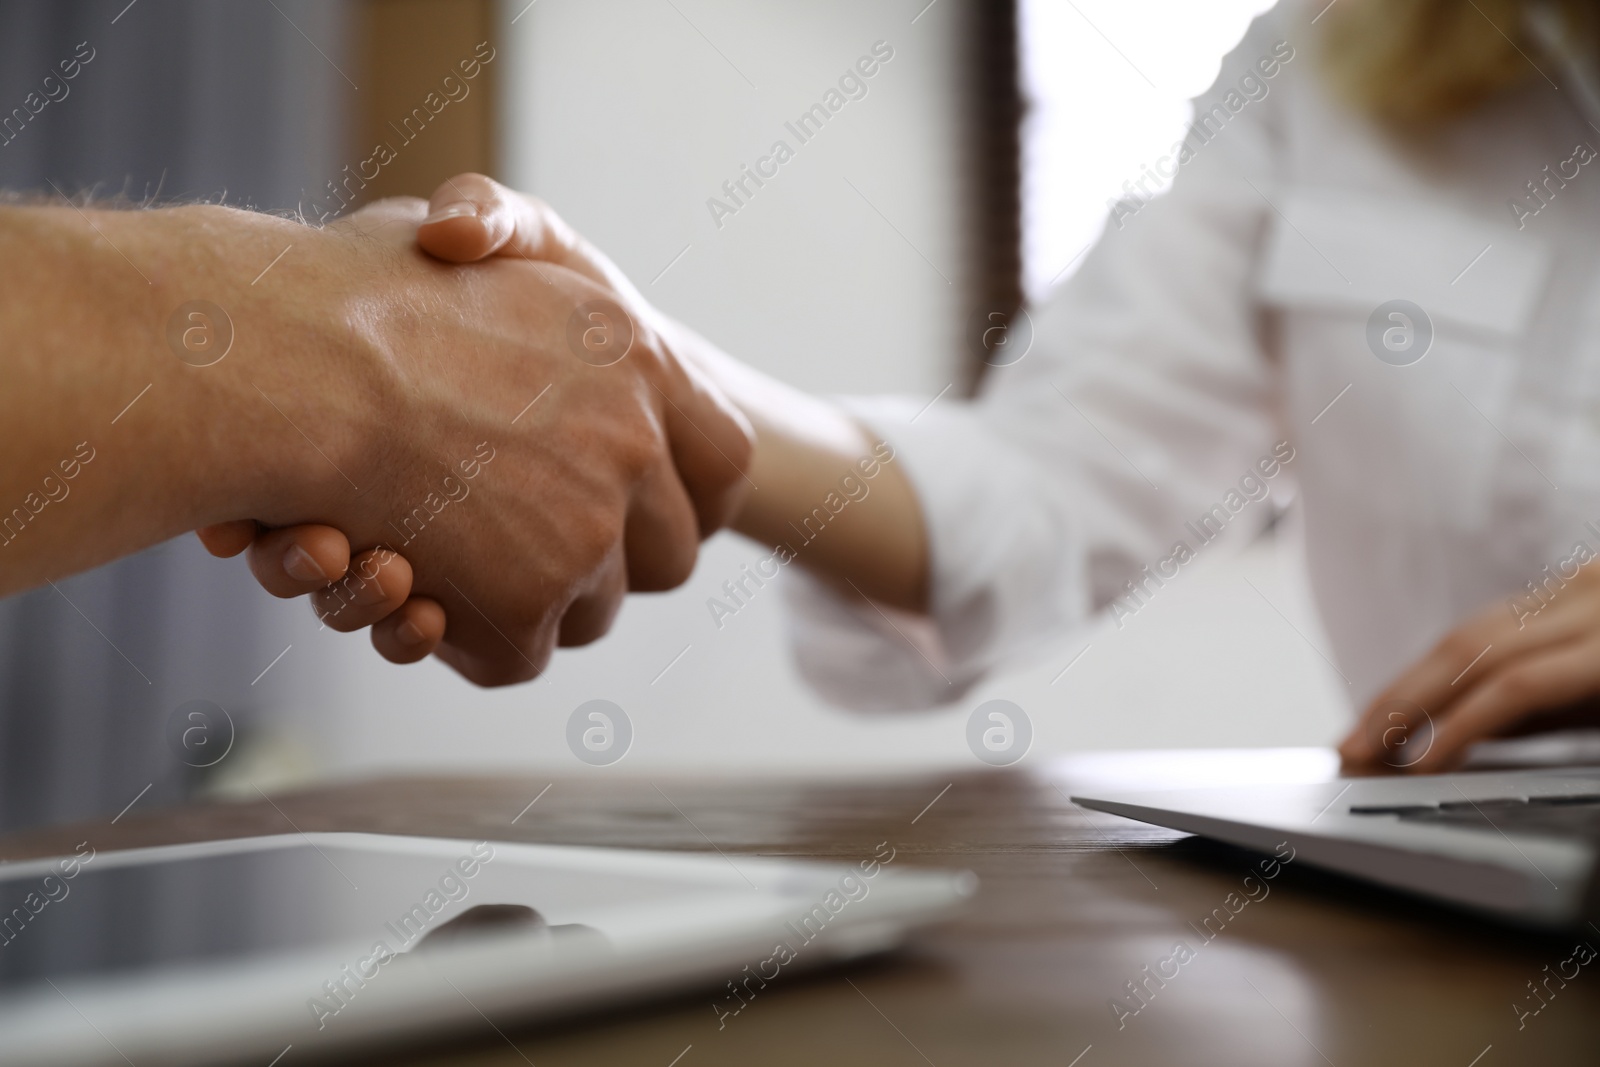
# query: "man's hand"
528, 450
592, 461
1501, 673
472, 218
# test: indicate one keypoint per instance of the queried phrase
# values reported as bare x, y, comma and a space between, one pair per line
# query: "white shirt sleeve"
1147, 395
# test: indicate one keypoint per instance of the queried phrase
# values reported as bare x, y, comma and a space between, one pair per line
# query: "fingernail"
298, 564
408, 633
458, 210
370, 592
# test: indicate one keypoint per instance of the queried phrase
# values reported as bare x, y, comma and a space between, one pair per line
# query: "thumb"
226, 539
472, 217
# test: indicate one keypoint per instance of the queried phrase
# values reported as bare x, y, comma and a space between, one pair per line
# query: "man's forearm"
116, 437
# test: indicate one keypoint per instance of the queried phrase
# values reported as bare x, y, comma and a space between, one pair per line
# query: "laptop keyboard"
1573, 815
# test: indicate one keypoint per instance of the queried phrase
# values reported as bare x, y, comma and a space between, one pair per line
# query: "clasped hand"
598, 476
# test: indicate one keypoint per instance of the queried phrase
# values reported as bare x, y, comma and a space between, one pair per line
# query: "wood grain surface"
1073, 905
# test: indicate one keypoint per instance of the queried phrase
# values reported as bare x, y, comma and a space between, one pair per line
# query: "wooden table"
1073, 905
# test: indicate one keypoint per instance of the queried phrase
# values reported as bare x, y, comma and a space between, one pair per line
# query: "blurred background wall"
856, 269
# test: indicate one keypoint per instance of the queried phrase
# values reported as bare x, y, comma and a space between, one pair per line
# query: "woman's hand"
1509, 670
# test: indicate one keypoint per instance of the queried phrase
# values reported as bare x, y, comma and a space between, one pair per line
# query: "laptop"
1522, 845
304, 947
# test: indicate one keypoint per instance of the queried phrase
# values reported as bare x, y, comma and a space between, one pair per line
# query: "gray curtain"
218, 99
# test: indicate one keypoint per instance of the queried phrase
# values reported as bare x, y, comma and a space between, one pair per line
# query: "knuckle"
539, 207
646, 451
672, 570
497, 669
550, 222
1456, 644
472, 178
740, 451
742, 447
594, 535
1519, 685
636, 447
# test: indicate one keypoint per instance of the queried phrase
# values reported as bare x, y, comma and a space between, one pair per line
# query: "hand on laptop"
1531, 667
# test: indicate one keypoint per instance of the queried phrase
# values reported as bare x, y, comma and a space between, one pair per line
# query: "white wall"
627, 115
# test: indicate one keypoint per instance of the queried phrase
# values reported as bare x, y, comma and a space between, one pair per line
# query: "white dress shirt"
1231, 314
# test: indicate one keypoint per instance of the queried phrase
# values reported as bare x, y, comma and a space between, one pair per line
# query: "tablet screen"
89, 915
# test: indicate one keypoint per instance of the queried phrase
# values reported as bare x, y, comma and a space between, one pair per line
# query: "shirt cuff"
1000, 580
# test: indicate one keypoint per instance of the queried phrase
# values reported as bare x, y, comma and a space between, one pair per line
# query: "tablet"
307, 945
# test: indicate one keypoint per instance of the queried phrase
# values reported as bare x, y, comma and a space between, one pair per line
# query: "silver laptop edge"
1533, 878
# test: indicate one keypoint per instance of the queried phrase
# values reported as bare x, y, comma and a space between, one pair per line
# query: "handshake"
454, 422
485, 436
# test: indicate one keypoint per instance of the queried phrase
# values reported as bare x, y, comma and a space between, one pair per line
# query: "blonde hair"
1414, 63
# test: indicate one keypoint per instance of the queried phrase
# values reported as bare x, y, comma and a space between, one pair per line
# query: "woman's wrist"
826, 489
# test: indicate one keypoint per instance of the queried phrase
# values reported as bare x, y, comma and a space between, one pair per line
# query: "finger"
296, 560
711, 440
468, 650
1478, 649
392, 220
378, 582
1390, 736
712, 445
412, 632
589, 616
1581, 716
225, 539
661, 534
1545, 681
471, 217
